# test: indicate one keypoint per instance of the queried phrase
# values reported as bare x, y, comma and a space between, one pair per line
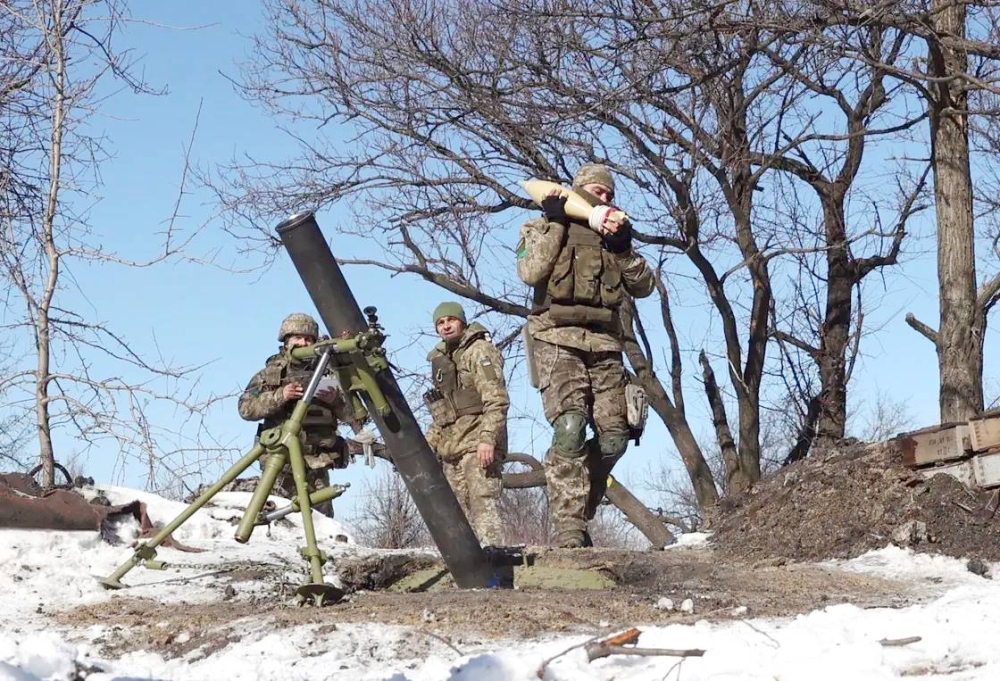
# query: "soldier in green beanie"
468, 405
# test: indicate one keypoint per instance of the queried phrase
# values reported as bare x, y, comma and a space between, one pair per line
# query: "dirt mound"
850, 501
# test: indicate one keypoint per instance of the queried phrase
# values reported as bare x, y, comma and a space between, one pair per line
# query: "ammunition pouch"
461, 400
636, 410
584, 315
442, 411
325, 453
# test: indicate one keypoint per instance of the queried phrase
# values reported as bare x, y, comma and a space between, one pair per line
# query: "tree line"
775, 157
748, 133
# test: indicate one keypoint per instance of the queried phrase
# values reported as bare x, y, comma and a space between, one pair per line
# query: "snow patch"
48, 571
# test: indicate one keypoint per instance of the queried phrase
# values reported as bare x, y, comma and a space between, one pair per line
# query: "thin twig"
444, 639
598, 650
763, 633
545, 663
963, 507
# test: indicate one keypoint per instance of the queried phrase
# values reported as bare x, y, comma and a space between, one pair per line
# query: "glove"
554, 208
620, 241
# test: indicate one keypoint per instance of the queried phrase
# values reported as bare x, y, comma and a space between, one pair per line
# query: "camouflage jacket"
469, 403
263, 400
538, 250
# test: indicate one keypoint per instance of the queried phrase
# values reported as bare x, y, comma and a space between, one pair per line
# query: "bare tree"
386, 517
829, 162
694, 104
961, 59
524, 513
882, 418
61, 55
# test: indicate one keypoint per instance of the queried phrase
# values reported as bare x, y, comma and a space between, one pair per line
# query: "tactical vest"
319, 425
463, 400
584, 288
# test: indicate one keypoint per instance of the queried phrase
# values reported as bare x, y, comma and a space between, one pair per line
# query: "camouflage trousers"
592, 384
478, 492
316, 479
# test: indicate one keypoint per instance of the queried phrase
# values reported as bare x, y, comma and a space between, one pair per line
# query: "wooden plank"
986, 468
984, 433
960, 470
932, 445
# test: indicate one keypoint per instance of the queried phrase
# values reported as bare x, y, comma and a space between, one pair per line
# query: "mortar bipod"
281, 444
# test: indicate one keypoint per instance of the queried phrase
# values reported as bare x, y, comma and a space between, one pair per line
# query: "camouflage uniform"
322, 447
576, 337
469, 407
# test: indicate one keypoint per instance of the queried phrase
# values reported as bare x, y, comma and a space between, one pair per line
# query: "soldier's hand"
554, 206
487, 454
619, 241
614, 222
292, 391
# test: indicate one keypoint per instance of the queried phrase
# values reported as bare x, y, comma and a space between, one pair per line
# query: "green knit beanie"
449, 309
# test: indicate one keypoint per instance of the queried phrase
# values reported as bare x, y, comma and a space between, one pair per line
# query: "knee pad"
612, 445
569, 433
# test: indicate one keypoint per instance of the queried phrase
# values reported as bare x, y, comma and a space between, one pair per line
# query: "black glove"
620, 241
554, 208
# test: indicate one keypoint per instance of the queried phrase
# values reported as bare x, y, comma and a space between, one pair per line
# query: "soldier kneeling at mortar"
469, 406
271, 395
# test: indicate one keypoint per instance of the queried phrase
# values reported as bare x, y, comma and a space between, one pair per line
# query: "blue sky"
199, 315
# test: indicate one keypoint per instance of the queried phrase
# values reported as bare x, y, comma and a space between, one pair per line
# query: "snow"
691, 540
45, 572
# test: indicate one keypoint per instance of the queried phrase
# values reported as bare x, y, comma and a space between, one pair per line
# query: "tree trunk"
43, 333
687, 446
45, 450
835, 334
960, 333
807, 434
736, 478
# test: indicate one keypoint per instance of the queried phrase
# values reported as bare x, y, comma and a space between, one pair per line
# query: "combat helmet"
298, 324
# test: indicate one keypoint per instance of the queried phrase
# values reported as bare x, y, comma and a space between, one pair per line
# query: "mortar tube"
412, 456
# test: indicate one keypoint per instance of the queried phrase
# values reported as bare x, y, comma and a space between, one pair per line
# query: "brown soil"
719, 589
854, 500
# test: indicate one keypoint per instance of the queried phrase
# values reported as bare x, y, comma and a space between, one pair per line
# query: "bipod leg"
316, 590
277, 456
146, 551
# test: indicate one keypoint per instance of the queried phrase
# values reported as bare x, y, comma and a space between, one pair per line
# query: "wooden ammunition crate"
984, 433
931, 445
986, 468
960, 470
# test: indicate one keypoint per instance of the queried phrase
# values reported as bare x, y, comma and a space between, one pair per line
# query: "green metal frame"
355, 361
